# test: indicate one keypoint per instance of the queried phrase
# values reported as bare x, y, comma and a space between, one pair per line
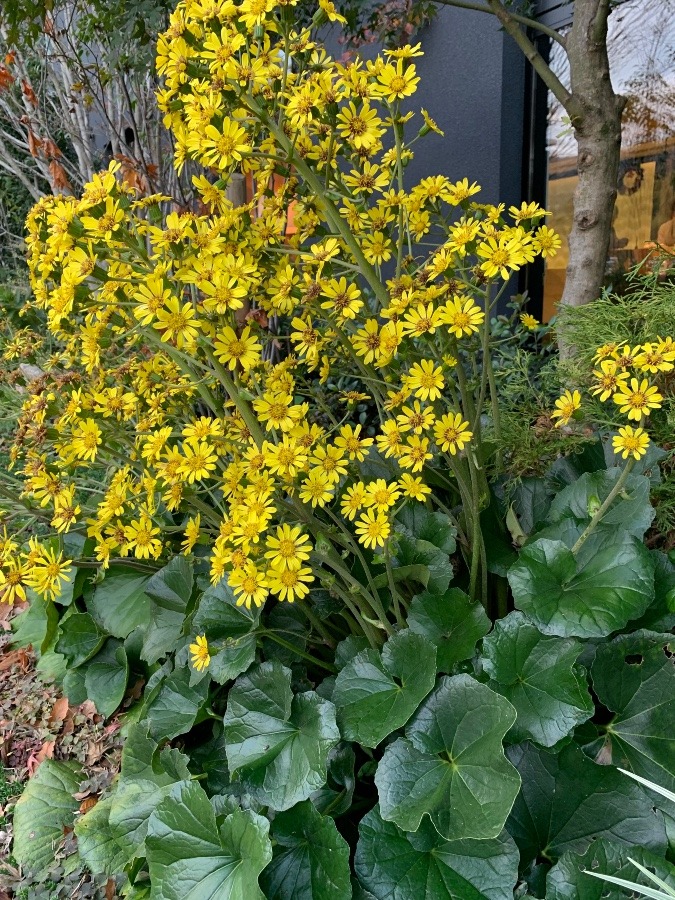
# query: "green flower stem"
318, 625
235, 396
595, 521
301, 653
396, 600
335, 563
365, 626
354, 546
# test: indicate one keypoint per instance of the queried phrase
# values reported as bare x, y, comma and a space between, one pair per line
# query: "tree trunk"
596, 118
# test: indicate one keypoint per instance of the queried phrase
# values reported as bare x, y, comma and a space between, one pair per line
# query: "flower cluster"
211, 358
625, 375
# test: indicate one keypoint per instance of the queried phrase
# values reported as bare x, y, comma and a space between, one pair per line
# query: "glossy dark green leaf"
418, 556
452, 622
634, 677
96, 843
377, 693
537, 675
277, 742
606, 586
170, 590
146, 777
189, 856
421, 523
119, 603
41, 812
567, 800
311, 858
394, 865
176, 705
631, 510
451, 764
568, 880
335, 797
105, 679
79, 639
37, 626
230, 631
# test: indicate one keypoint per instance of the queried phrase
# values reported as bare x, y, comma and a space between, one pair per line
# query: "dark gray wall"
473, 84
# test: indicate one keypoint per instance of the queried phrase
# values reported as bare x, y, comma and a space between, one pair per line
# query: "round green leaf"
311, 858
421, 523
170, 590
452, 622
96, 843
119, 604
189, 856
537, 675
451, 764
609, 583
79, 638
567, 801
568, 880
335, 797
175, 706
230, 632
376, 694
278, 742
630, 511
41, 812
106, 677
634, 677
393, 865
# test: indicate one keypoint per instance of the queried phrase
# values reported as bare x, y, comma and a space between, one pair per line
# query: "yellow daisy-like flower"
429, 125
609, 379
462, 316
141, 536
631, 442
317, 488
381, 495
529, 321
48, 570
546, 241
638, 399
349, 441
223, 147
566, 406
249, 585
425, 380
191, 533
413, 487
177, 322
199, 653
289, 548
655, 358
353, 500
452, 433
289, 584
232, 350
395, 82
373, 529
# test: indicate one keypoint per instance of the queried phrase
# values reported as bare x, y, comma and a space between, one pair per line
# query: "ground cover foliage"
262, 500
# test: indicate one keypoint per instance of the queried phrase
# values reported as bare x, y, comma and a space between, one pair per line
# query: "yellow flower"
343, 298
47, 572
638, 398
329, 10
395, 83
199, 460
317, 488
289, 584
199, 651
177, 322
626, 357
367, 341
462, 316
86, 439
372, 529
249, 585
221, 148
415, 418
362, 128
566, 406
422, 320
381, 495
13, 581
66, 510
191, 533
289, 548
425, 380
529, 321
232, 350
605, 351
609, 379
631, 442
413, 487
452, 433
655, 358
415, 453
429, 125
350, 442
141, 537
527, 211
353, 500
546, 241
502, 255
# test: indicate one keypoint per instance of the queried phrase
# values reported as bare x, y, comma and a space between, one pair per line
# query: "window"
641, 46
